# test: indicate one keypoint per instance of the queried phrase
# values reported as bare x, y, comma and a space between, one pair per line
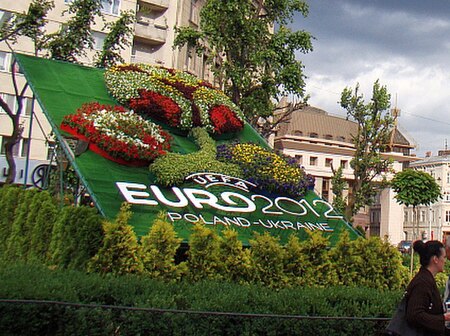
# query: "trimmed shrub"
204, 259
10, 198
159, 247
268, 256
120, 252
77, 236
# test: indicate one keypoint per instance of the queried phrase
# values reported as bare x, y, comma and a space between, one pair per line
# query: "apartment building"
152, 43
320, 141
433, 221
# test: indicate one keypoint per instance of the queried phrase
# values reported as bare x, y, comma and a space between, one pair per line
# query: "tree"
255, 65
30, 25
119, 36
371, 139
68, 44
415, 187
338, 185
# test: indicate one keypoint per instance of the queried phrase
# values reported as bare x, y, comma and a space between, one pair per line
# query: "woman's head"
431, 253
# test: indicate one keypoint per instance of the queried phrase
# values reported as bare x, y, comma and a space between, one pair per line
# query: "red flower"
224, 120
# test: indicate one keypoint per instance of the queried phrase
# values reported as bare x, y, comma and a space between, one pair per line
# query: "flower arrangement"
268, 170
176, 98
117, 134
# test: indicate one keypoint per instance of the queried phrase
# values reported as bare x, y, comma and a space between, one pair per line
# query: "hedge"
19, 281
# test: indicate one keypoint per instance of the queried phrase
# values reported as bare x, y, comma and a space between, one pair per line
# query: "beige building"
320, 141
152, 43
432, 222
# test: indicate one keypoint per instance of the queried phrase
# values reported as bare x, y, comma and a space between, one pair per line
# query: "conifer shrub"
159, 248
120, 252
204, 259
42, 216
77, 236
294, 262
268, 256
10, 198
237, 263
17, 245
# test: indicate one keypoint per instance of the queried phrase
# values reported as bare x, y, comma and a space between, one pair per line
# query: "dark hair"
428, 250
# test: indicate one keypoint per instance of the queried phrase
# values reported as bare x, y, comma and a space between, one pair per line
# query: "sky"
405, 44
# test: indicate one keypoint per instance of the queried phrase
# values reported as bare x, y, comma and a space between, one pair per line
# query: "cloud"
404, 44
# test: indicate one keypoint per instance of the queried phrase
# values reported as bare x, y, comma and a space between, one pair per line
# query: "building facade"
432, 222
152, 43
320, 141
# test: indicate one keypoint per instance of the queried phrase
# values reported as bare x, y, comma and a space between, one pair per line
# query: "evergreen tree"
204, 259
268, 256
120, 252
46, 212
319, 271
18, 243
8, 205
236, 261
77, 236
159, 247
342, 256
294, 261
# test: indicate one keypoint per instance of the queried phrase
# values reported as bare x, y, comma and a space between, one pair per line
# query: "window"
313, 135
10, 100
405, 217
340, 138
298, 133
448, 177
24, 150
447, 197
328, 162
99, 40
313, 161
328, 137
344, 164
4, 61
299, 159
422, 216
15, 148
111, 6
447, 216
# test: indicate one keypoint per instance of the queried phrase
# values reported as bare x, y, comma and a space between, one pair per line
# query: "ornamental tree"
375, 125
415, 187
257, 65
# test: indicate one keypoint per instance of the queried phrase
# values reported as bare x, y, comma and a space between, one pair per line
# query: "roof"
310, 121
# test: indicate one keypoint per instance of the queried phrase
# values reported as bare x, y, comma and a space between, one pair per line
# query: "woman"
424, 308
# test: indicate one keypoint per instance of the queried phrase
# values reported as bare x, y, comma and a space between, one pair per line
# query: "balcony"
155, 4
151, 32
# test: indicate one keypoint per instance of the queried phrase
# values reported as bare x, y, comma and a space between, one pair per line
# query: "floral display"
175, 98
268, 170
117, 134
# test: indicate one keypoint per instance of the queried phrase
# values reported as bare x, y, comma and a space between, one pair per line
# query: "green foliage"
159, 247
9, 199
119, 36
415, 187
173, 168
77, 235
375, 125
18, 242
236, 261
294, 261
338, 185
18, 281
241, 33
318, 268
45, 213
120, 252
204, 257
268, 256
29, 24
75, 34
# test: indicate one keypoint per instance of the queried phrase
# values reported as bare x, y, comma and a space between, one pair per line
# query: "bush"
19, 281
